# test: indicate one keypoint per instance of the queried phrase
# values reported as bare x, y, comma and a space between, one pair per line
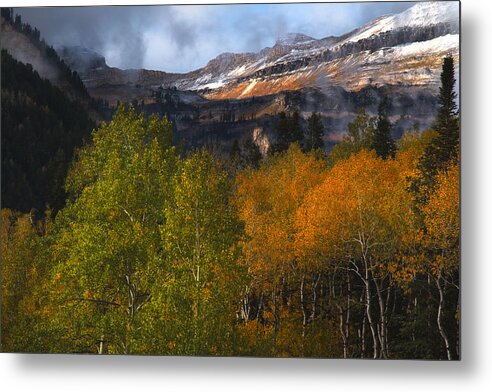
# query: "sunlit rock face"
261, 139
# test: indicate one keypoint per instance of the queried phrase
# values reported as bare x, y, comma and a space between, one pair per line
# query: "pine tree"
235, 152
443, 149
382, 142
236, 161
445, 146
289, 131
18, 23
7, 13
282, 128
296, 133
315, 131
41, 128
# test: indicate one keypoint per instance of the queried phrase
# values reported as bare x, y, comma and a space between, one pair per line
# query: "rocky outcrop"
261, 139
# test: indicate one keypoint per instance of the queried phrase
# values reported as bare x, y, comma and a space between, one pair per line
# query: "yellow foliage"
442, 219
267, 200
362, 199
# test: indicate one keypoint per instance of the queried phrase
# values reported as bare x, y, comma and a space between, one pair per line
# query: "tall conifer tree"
446, 143
314, 134
382, 142
282, 128
296, 134
443, 149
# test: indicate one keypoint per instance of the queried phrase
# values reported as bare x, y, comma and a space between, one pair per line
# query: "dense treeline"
41, 128
352, 255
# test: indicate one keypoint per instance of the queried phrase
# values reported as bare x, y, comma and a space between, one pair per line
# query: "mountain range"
237, 95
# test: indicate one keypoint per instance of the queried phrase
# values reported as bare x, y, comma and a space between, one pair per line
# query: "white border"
473, 373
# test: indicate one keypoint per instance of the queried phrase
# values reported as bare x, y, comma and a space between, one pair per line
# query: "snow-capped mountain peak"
423, 14
428, 13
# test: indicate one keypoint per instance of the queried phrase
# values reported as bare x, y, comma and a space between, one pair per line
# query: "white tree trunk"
439, 316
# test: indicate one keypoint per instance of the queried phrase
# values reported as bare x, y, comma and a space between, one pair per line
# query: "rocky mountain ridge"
402, 49
302, 63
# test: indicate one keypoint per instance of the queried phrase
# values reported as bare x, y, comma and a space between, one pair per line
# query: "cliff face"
262, 140
388, 39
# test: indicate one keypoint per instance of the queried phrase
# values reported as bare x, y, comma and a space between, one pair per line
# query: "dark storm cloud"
182, 38
112, 31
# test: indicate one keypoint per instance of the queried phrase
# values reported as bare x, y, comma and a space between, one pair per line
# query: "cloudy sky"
183, 38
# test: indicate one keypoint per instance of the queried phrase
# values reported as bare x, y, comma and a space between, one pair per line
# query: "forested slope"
41, 127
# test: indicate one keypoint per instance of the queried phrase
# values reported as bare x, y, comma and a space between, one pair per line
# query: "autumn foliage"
158, 252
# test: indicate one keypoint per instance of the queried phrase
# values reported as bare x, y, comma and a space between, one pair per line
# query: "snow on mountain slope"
297, 60
428, 13
422, 14
414, 64
447, 43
